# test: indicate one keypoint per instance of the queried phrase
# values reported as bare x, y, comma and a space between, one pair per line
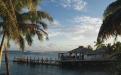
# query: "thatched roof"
82, 50
86, 51
99, 50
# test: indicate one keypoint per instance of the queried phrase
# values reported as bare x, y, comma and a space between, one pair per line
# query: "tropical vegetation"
18, 26
115, 53
89, 47
111, 28
99, 43
111, 21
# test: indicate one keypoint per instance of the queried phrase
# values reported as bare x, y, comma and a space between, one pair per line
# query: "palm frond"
9, 24
22, 43
44, 25
44, 15
32, 29
29, 39
20, 4
40, 36
111, 26
112, 8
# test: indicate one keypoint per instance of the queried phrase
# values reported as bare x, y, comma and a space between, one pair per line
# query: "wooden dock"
55, 62
34, 61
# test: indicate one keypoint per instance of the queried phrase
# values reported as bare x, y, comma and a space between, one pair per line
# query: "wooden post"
67, 62
34, 60
30, 60
27, 60
42, 60
38, 61
14, 57
46, 61
58, 55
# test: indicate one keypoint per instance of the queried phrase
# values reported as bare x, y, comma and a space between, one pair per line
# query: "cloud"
74, 4
56, 22
87, 27
81, 27
87, 20
53, 34
69, 4
53, 0
51, 45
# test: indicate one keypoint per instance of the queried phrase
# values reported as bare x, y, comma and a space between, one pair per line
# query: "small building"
82, 53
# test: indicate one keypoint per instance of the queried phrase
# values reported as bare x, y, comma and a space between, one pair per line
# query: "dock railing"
34, 60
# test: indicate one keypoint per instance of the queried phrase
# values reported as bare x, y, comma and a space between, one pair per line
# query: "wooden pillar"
42, 60
38, 58
27, 59
14, 57
30, 59
79, 55
58, 55
75, 55
38, 61
34, 60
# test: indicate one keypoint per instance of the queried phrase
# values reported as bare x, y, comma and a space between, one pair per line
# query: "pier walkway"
30, 60
55, 62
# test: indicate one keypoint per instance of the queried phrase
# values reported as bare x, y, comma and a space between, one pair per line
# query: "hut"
82, 53
101, 54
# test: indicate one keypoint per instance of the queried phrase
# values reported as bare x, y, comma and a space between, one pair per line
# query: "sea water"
24, 69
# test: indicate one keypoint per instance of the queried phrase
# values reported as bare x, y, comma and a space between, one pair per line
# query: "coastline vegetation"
111, 28
18, 26
15, 26
114, 51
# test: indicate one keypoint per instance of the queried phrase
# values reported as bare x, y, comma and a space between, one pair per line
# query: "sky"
76, 23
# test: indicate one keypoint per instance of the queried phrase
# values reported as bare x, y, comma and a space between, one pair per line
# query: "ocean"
24, 69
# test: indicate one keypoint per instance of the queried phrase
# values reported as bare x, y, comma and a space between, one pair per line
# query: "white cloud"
53, 34
71, 4
74, 4
51, 45
87, 27
84, 27
53, 0
87, 20
56, 22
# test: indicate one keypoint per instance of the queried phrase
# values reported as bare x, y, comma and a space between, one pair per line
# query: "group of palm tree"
19, 26
115, 53
111, 27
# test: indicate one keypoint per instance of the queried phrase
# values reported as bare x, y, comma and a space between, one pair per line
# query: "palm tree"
109, 49
14, 24
117, 46
89, 47
29, 30
8, 24
15, 29
99, 43
111, 21
115, 66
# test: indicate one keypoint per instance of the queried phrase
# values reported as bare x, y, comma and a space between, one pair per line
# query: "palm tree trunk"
6, 61
2, 46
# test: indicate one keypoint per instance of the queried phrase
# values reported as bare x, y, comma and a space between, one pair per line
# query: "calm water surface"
24, 69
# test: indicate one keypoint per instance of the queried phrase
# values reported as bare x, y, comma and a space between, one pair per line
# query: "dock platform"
55, 62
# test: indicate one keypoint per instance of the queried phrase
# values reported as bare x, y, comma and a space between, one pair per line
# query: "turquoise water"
24, 69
